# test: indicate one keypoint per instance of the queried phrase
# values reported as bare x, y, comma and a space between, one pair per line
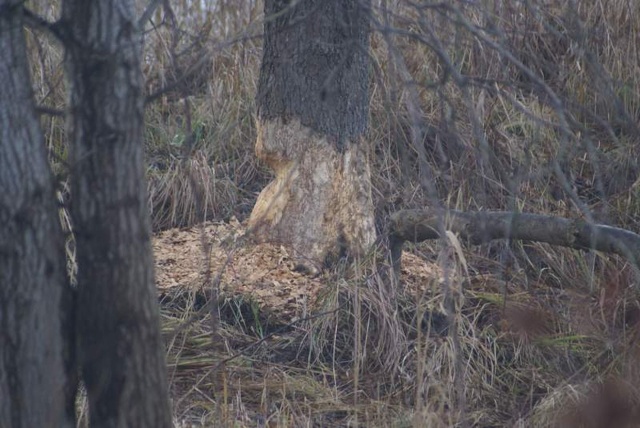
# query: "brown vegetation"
528, 106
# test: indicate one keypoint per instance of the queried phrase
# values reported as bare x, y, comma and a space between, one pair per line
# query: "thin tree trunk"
121, 351
313, 109
37, 382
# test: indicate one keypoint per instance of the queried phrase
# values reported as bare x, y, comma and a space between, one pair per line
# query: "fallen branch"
479, 227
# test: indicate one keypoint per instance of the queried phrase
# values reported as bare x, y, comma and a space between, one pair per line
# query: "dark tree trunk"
37, 381
315, 66
121, 352
312, 114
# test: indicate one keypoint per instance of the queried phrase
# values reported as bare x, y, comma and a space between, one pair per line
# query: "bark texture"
313, 109
481, 227
36, 353
121, 351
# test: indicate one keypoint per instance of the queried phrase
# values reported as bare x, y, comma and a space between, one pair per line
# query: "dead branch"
479, 227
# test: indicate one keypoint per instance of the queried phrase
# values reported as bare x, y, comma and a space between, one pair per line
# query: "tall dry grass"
529, 105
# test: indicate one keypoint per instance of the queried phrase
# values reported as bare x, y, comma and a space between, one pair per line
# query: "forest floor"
224, 375
282, 348
189, 258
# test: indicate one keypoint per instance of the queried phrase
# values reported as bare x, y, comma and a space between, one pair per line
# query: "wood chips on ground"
262, 271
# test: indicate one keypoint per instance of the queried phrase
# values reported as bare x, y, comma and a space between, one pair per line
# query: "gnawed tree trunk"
485, 226
312, 115
121, 351
37, 381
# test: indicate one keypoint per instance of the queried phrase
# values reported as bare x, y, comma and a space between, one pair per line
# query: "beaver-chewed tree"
312, 116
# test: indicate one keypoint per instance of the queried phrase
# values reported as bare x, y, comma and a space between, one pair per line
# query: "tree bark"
312, 115
37, 380
121, 352
481, 227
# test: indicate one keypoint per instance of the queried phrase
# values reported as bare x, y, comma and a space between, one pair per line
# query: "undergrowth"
527, 105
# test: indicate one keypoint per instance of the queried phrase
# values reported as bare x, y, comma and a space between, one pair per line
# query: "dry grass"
530, 105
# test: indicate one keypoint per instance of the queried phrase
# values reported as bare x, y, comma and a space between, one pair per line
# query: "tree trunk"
121, 351
312, 115
37, 382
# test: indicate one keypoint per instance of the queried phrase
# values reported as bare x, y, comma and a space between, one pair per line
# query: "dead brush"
203, 116
361, 327
514, 354
245, 380
547, 93
189, 192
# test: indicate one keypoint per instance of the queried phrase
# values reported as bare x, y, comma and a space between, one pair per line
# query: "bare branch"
50, 111
37, 22
483, 226
146, 15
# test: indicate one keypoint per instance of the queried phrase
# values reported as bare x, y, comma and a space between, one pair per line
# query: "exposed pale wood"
320, 201
313, 101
